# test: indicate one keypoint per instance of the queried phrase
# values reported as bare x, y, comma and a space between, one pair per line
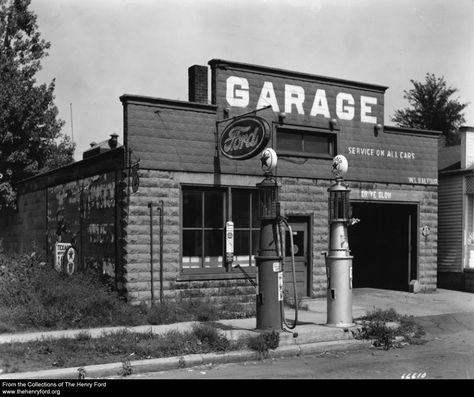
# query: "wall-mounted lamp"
332, 124
377, 129
281, 117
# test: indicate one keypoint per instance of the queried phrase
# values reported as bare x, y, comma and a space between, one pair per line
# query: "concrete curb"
114, 370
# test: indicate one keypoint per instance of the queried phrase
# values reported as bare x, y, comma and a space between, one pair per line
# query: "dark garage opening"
384, 245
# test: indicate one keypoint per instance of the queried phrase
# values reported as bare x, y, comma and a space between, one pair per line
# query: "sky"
102, 49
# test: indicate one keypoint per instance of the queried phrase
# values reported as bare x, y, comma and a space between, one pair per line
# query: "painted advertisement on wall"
92, 233
311, 108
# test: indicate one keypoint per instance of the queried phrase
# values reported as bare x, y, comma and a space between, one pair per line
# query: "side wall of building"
75, 204
450, 224
24, 231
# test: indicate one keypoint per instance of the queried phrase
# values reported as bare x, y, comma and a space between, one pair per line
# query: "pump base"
349, 325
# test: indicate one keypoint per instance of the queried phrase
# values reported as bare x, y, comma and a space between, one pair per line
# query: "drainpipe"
160, 208
151, 253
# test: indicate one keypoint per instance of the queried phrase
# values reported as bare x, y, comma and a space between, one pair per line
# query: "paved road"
447, 354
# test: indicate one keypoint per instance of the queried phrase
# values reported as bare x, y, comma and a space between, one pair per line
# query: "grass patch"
121, 346
389, 329
33, 296
263, 342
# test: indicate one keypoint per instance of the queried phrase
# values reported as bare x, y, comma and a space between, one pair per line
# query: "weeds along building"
152, 212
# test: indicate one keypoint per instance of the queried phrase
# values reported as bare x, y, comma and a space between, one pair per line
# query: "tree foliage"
30, 131
431, 108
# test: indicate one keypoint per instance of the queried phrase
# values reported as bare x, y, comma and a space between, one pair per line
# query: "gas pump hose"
294, 275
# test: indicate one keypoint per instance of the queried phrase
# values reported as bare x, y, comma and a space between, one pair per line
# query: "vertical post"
150, 206
161, 250
72, 129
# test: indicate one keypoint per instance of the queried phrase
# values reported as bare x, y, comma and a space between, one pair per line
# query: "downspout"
160, 208
150, 205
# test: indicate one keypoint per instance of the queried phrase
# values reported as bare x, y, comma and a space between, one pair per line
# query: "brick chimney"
197, 81
467, 146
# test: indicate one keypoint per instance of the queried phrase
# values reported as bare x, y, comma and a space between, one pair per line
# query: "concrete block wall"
24, 231
308, 197
300, 196
154, 187
428, 245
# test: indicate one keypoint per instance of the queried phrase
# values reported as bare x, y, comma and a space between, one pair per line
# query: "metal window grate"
470, 185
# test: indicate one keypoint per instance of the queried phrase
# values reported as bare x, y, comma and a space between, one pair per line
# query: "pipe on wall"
152, 289
161, 208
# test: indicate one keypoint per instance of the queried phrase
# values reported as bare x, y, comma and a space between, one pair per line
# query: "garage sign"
244, 138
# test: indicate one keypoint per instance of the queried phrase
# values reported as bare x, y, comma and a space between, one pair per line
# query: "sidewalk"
311, 335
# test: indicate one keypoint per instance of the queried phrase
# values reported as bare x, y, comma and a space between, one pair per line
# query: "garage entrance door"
384, 245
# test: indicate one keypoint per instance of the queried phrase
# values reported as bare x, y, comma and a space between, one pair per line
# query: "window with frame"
205, 211
306, 142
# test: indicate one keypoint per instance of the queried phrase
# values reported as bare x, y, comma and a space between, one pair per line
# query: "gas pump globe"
338, 259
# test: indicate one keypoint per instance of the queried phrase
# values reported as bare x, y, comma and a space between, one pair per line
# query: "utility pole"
72, 128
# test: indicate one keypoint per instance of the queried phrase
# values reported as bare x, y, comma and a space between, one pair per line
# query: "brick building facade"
170, 170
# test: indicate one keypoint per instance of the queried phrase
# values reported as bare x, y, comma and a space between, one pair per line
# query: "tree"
432, 109
30, 131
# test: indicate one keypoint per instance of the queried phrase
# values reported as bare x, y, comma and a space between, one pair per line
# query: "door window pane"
298, 243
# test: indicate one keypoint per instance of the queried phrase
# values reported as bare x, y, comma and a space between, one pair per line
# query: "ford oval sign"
244, 138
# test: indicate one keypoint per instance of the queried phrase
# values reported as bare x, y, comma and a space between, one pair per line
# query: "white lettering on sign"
320, 104
60, 249
376, 194
422, 181
238, 95
241, 137
345, 106
365, 109
268, 97
393, 154
294, 95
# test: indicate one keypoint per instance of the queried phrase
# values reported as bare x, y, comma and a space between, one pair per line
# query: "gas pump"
270, 313
269, 263
338, 259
